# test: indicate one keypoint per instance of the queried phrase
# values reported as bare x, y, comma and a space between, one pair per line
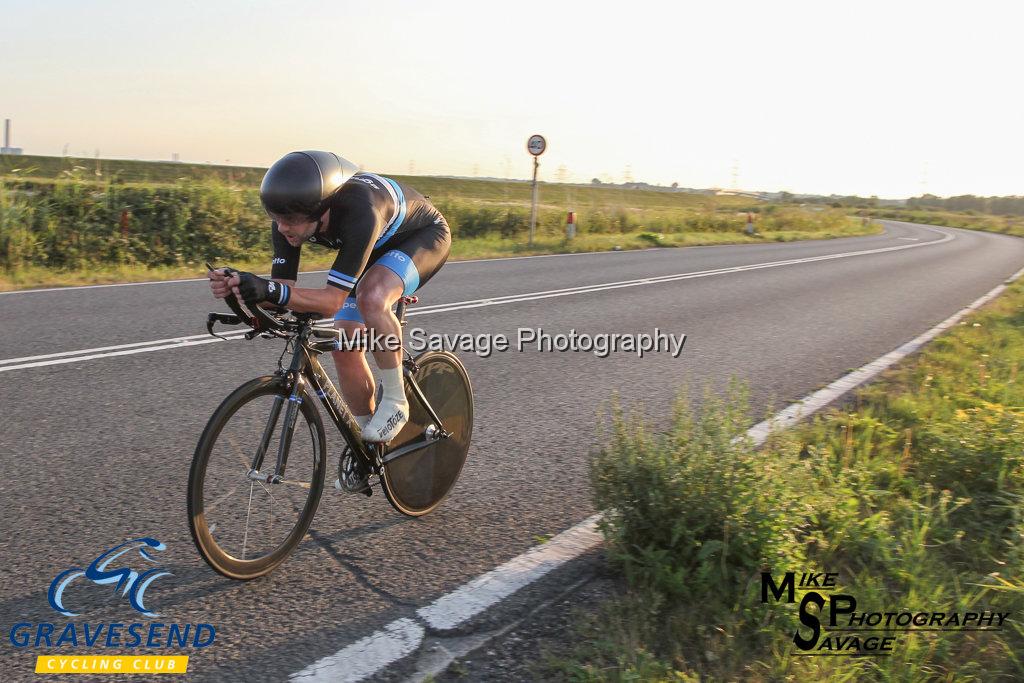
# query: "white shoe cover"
387, 421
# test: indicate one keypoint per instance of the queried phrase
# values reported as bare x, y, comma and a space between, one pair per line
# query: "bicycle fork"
291, 414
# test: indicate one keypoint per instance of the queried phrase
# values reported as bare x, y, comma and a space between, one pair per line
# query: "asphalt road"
97, 451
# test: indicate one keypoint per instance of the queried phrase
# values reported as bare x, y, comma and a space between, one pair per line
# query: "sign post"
535, 146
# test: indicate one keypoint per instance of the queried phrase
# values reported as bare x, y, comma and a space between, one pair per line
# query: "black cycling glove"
255, 289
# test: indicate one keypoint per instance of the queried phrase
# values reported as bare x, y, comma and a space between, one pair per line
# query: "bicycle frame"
305, 373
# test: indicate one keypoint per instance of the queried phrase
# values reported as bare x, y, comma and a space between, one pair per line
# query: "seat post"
403, 303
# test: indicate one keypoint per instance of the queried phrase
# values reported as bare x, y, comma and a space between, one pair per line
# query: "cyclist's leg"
402, 269
354, 376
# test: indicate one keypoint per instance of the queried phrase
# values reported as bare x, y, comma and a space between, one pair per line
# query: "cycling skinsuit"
374, 221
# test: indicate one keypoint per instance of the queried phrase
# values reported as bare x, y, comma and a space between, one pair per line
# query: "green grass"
492, 246
1007, 225
123, 170
42, 168
913, 493
87, 229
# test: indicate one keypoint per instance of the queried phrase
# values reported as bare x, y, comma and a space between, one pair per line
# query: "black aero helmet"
303, 182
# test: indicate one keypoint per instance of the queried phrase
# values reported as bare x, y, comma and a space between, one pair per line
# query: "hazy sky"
887, 98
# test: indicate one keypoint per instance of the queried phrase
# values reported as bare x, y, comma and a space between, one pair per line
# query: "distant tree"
675, 186
595, 181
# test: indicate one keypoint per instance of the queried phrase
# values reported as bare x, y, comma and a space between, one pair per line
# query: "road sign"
536, 145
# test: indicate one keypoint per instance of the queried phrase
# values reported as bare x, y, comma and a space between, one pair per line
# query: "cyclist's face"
295, 229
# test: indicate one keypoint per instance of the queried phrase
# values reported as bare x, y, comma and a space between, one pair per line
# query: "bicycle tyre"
219, 559
415, 484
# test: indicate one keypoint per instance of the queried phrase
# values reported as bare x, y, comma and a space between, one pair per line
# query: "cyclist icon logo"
130, 582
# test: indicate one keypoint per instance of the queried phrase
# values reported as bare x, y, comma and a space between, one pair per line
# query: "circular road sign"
536, 145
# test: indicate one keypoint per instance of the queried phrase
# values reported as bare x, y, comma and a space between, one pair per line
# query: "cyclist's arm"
285, 266
327, 301
362, 225
363, 222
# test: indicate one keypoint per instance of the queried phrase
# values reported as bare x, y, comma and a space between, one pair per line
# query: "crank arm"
414, 446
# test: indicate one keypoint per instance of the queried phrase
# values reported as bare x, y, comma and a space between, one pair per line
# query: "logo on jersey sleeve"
368, 181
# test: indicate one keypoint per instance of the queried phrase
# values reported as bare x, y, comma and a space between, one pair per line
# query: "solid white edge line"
366, 656
486, 590
63, 357
821, 398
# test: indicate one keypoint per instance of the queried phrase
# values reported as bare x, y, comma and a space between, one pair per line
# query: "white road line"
369, 655
823, 397
364, 657
402, 637
127, 352
63, 357
450, 263
64, 354
489, 589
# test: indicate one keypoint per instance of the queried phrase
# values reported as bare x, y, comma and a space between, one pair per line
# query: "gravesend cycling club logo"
130, 569
848, 631
129, 582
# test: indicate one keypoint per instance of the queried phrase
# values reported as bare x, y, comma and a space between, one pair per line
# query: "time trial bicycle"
249, 506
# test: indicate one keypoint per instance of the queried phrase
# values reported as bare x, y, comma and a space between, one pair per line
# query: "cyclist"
390, 242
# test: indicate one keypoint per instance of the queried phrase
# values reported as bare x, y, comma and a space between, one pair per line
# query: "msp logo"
852, 632
131, 583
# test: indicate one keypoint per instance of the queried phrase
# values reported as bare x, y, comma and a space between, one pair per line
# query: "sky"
871, 98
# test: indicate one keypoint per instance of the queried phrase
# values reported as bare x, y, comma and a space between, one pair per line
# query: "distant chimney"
7, 132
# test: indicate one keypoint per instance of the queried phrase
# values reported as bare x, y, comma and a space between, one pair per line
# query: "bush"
695, 512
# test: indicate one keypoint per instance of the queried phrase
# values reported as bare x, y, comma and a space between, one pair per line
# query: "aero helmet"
303, 182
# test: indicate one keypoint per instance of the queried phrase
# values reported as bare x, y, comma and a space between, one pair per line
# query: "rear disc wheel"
416, 483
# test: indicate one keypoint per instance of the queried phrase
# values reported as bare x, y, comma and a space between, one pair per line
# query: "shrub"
695, 512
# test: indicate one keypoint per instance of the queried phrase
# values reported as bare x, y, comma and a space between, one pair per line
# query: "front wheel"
244, 527
416, 483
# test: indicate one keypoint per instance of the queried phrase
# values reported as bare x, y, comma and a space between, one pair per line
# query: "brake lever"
210, 320
224, 318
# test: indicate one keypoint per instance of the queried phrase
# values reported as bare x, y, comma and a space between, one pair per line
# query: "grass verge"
912, 494
491, 246
1007, 225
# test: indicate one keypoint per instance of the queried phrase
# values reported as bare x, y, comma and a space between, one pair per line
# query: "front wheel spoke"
213, 506
295, 508
237, 450
245, 537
